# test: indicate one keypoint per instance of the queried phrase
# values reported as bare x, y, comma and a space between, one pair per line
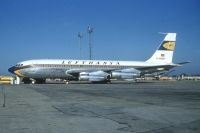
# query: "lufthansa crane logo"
169, 45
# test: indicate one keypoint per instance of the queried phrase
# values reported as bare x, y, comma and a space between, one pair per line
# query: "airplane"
37, 71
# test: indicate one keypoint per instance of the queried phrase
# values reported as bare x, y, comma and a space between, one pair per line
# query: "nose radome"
11, 70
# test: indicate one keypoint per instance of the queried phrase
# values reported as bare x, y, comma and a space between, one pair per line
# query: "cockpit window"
19, 65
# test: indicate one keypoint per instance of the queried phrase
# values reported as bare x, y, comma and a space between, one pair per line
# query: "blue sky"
123, 29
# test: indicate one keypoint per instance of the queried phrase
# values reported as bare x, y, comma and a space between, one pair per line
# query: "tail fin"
164, 54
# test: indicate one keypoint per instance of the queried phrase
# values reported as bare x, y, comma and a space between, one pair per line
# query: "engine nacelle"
124, 75
97, 76
121, 75
92, 78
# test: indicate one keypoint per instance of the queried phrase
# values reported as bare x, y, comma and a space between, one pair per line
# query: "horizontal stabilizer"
182, 63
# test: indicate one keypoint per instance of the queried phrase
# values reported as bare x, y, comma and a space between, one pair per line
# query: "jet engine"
96, 76
125, 74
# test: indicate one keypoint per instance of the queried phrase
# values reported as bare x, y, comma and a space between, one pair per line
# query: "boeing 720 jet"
38, 71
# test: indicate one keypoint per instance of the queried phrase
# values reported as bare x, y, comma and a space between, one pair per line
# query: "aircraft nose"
12, 69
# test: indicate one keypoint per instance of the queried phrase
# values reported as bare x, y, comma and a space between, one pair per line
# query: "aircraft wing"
159, 68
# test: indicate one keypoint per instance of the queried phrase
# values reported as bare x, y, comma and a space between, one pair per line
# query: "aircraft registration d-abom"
37, 71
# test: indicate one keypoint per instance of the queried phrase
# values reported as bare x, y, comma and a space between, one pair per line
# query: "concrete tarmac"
121, 107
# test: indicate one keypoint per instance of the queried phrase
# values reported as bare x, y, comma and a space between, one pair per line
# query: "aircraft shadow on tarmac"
114, 82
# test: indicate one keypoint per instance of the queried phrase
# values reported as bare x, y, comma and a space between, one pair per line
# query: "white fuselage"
58, 68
